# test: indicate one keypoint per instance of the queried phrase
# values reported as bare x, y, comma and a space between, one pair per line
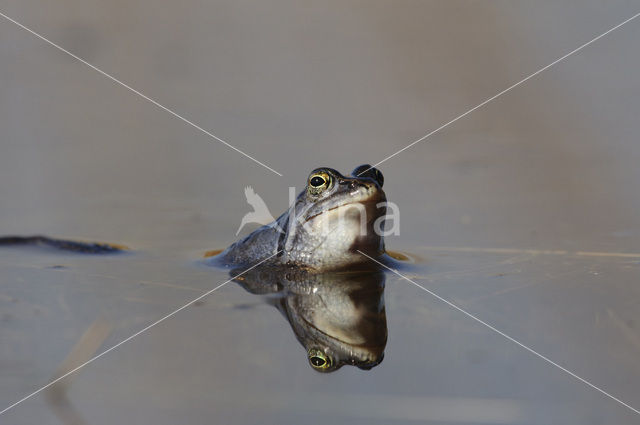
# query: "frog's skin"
338, 317
332, 219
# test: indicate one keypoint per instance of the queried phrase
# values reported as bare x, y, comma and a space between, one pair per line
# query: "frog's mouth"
369, 205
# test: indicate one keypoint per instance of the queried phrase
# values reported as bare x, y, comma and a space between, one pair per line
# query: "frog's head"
335, 216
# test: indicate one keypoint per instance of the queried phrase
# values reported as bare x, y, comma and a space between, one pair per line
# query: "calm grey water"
524, 213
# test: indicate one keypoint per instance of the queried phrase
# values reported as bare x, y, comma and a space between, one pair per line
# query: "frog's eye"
319, 360
318, 182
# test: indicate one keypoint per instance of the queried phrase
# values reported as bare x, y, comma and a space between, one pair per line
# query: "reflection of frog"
339, 318
331, 219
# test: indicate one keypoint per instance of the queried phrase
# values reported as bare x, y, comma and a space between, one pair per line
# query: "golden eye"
319, 360
319, 182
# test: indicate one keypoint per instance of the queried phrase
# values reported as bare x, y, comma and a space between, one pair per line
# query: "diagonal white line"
499, 332
115, 80
576, 50
173, 313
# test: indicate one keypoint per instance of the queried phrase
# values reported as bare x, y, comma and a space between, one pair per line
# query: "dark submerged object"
338, 317
333, 218
63, 244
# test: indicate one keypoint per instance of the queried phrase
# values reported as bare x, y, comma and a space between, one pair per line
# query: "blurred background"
548, 166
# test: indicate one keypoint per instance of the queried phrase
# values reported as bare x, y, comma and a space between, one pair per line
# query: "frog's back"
254, 248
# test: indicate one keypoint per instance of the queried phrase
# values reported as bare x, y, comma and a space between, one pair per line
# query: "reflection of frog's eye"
319, 360
319, 182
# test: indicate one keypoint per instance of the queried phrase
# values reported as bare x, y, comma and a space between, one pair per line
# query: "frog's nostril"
351, 184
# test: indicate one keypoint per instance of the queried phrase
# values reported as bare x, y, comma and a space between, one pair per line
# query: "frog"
333, 221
